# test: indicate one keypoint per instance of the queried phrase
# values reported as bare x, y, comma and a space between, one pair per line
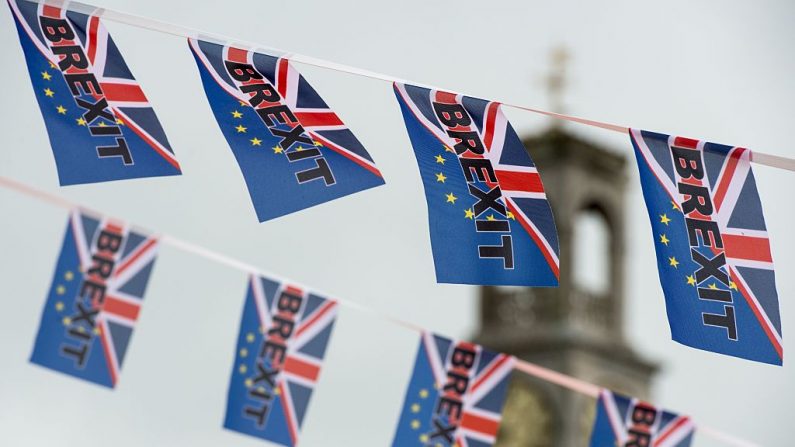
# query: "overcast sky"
717, 70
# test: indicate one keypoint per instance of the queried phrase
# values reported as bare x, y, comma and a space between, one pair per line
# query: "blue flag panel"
95, 298
627, 422
293, 150
455, 395
283, 337
100, 124
713, 251
490, 221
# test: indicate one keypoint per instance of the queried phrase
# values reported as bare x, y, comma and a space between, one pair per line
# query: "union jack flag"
100, 124
284, 332
95, 298
490, 221
713, 250
455, 395
293, 150
626, 421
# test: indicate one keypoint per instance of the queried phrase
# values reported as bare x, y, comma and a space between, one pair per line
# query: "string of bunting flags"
490, 223
98, 289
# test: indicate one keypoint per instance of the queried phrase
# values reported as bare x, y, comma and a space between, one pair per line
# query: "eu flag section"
627, 422
713, 251
100, 124
455, 395
283, 337
293, 150
95, 298
490, 222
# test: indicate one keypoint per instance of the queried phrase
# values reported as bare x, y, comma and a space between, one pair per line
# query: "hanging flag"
283, 337
713, 251
490, 221
100, 124
455, 395
293, 150
625, 421
95, 298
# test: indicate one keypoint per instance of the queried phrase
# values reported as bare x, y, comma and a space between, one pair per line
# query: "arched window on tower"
591, 252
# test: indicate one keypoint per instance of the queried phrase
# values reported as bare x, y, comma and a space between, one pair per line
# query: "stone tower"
576, 328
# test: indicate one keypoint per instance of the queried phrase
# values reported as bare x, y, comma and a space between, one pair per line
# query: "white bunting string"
182, 31
526, 367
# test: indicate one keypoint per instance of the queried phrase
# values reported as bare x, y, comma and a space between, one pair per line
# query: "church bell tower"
576, 328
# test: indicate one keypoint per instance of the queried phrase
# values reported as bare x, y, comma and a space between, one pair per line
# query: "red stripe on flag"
317, 316
758, 314
282, 68
152, 143
123, 92
51, 11
537, 239
445, 97
670, 430
747, 247
480, 424
485, 376
727, 177
108, 355
687, 143
310, 119
302, 369
237, 55
491, 119
137, 254
519, 181
121, 308
93, 27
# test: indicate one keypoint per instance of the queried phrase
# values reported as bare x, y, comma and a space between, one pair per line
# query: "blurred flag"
455, 395
626, 421
713, 251
490, 221
95, 298
283, 337
101, 125
293, 150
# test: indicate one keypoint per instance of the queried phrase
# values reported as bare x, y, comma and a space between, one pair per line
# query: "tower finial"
556, 81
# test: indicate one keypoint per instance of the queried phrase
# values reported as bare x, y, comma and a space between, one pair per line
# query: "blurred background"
715, 70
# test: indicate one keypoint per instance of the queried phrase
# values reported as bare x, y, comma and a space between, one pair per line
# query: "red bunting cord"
182, 31
528, 368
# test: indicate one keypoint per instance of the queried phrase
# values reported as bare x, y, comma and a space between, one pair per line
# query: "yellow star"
415, 408
242, 103
673, 262
81, 329
423, 393
733, 285
448, 149
664, 219
277, 391
242, 369
46, 75
469, 214
102, 124
81, 121
415, 424
510, 216
317, 143
691, 280
664, 239
256, 141
95, 330
119, 122
243, 352
490, 217
451, 198
713, 286
61, 110
250, 337
674, 205
60, 290
52, 65
299, 148
66, 321
240, 128
49, 93
440, 177
59, 306
423, 438
440, 159
249, 383
277, 149
237, 114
